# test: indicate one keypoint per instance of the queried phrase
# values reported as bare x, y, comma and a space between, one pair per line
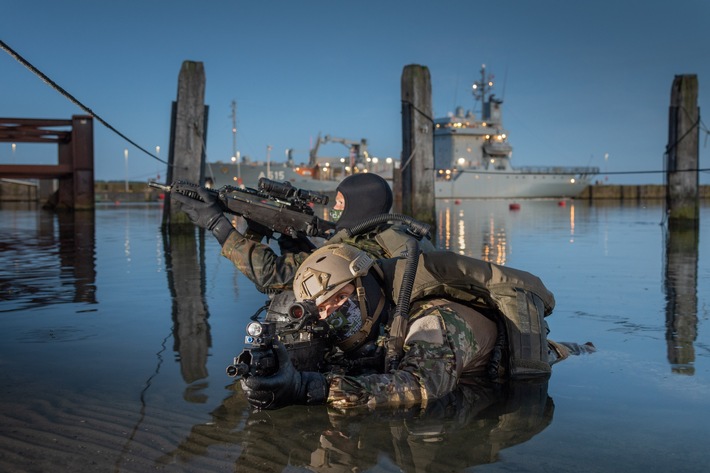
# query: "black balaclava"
366, 195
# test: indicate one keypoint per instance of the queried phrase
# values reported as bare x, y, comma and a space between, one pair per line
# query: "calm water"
114, 343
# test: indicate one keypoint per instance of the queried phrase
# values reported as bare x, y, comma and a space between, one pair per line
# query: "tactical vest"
382, 243
518, 297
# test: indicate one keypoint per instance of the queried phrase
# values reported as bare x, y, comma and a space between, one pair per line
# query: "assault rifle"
304, 335
276, 206
310, 341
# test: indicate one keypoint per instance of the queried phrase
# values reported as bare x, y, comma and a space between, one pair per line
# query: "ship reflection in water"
483, 237
114, 338
480, 228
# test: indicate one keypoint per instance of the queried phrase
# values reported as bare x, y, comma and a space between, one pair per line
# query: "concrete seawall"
104, 191
631, 192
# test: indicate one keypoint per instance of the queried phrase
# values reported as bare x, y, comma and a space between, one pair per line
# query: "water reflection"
494, 245
473, 230
77, 249
48, 258
680, 283
185, 267
105, 392
467, 428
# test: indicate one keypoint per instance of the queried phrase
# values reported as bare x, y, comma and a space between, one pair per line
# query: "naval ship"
472, 157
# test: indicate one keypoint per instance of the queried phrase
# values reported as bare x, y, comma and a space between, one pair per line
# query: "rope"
573, 172
406, 163
687, 132
419, 111
409, 159
66, 94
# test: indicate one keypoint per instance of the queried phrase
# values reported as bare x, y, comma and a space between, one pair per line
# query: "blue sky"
579, 79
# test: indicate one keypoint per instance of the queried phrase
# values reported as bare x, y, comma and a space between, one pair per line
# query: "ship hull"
472, 185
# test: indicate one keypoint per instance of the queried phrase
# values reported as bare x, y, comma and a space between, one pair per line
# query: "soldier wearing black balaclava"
369, 194
358, 197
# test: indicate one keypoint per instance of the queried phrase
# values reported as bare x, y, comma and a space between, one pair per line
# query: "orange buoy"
562, 203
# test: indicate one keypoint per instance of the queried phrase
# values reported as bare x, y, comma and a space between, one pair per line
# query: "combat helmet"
330, 268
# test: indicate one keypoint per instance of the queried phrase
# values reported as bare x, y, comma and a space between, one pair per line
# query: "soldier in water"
464, 319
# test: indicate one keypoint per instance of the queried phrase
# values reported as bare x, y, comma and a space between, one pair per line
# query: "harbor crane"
358, 149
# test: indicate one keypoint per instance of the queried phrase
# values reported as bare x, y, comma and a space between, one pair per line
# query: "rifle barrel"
157, 185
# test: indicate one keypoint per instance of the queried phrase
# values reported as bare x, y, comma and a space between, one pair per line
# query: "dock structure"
74, 170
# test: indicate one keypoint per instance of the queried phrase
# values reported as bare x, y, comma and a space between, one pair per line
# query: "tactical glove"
285, 387
204, 211
300, 244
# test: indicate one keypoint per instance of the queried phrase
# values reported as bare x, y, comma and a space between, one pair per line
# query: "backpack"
516, 299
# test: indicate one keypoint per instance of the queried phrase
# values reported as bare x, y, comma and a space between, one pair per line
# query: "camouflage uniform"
271, 273
446, 342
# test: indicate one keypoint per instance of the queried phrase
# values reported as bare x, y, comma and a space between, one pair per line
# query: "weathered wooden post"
188, 135
416, 174
682, 153
682, 199
184, 252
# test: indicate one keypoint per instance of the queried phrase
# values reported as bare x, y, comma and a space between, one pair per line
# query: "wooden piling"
188, 136
77, 192
416, 176
682, 152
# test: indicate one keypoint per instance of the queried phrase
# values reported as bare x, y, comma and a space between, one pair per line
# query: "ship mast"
234, 142
480, 91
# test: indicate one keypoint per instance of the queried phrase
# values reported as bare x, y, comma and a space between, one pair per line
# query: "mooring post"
76, 191
188, 135
186, 265
416, 176
682, 196
682, 153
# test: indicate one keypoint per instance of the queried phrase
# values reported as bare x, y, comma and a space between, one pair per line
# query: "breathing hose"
398, 326
415, 227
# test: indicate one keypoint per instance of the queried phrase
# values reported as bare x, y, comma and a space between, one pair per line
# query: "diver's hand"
300, 244
285, 387
204, 211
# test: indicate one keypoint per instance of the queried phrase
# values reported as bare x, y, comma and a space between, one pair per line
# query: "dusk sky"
579, 79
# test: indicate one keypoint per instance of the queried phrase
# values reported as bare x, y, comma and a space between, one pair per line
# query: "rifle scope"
285, 191
303, 309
